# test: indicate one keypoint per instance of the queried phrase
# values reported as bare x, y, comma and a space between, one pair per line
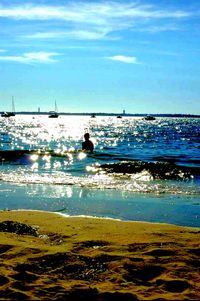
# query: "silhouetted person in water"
87, 145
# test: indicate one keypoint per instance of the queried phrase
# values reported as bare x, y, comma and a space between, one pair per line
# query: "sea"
141, 170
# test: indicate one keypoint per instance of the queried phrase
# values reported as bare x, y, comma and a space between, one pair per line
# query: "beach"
48, 256
122, 223
99, 150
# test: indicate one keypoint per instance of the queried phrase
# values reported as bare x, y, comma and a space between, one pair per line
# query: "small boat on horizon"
54, 114
6, 114
149, 117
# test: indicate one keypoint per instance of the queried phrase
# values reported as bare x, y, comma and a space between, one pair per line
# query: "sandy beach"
46, 256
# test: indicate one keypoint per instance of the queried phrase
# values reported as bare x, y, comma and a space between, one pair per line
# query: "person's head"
87, 136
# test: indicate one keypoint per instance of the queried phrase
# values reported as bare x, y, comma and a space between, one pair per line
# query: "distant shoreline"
110, 114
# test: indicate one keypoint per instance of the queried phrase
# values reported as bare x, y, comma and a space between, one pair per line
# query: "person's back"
87, 145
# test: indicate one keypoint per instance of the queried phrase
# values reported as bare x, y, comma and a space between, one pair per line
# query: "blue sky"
100, 56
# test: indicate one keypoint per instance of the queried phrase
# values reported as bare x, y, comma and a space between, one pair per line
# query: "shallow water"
156, 167
76, 201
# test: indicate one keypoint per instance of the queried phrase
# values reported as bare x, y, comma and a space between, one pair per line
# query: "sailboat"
149, 117
12, 113
54, 114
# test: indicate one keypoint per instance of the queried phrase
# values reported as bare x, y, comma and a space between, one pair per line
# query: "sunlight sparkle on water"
35, 166
62, 162
46, 158
70, 156
34, 157
91, 168
82, 155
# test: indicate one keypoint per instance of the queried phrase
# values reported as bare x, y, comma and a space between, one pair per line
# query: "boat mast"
56, 107
13, 105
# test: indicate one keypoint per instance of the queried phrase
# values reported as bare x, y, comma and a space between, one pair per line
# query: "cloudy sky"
100, 56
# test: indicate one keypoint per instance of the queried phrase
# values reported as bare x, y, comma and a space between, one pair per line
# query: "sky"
140, 56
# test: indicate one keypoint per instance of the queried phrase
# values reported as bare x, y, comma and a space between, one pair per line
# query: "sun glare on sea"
82, 155
34, 157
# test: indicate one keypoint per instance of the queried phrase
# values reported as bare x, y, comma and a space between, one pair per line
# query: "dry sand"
96, 259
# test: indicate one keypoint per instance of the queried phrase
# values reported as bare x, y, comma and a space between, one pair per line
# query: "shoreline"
82, 258
90, 217
80, 201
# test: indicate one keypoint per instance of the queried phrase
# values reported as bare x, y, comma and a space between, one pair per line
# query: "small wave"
137, 183
179, 159
12, 155
158, 170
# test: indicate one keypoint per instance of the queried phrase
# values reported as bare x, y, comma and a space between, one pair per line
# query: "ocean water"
140, 170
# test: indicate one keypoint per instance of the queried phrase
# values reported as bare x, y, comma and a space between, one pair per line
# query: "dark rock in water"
158, 170
18, 228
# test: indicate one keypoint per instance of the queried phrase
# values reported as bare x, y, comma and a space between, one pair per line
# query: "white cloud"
160, 28
91, 20
71, 34
89, 12
31, 57
124, 59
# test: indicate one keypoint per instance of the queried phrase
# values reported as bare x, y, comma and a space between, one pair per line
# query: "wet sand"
46, 256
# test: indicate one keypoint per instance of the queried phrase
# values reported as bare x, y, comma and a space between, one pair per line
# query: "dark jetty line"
158, 170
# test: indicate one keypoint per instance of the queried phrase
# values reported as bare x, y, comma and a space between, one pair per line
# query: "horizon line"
109, 114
